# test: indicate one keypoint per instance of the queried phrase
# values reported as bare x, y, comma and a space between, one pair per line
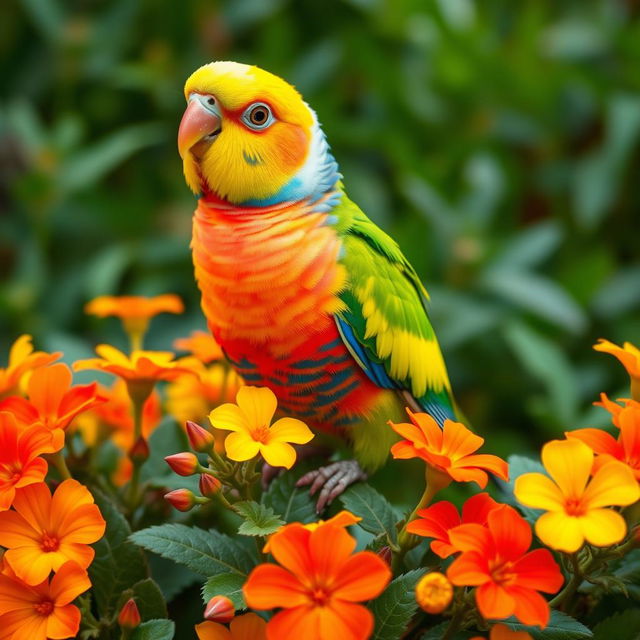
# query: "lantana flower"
250, 626
22, 358
625, 448
44, 532
629, 355
496, 559
53, 403
20, 464
450, 451
134, 311
440, 518
45, 610
576, 506
319, 585
252, 432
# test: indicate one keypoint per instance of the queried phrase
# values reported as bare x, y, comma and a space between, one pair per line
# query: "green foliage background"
497, 141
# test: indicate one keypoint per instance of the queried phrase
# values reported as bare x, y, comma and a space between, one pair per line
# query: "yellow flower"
134, 311
574, 504
253, 433
434, 592
629, 355
22, 358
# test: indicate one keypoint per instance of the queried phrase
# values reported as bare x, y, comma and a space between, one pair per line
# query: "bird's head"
248, 137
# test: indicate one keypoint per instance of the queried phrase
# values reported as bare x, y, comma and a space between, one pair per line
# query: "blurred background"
497, 141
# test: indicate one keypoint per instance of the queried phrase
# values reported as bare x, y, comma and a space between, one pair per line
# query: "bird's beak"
199, 127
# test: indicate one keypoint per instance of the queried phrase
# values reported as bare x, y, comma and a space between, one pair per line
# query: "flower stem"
61, 464
577, 576
133, 496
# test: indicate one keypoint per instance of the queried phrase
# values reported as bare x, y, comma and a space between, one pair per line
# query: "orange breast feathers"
268, 275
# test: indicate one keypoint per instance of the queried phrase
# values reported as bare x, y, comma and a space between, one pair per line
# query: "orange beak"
198, 124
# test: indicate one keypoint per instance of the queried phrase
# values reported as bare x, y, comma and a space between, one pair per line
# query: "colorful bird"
303, 292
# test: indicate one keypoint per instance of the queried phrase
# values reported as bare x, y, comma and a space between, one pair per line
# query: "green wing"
385, 324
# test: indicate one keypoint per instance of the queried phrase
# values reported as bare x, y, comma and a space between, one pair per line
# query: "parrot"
303, 292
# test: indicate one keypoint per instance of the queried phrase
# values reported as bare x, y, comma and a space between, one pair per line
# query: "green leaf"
291, 503
377, 514
148, 597
225, 584
207, 553
258, 519
560, 627
519, 465
396, 606
436, 633
620, 626
154, 630
171, 578
118, 564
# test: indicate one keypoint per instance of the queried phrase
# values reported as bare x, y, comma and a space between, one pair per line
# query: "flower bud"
434, 592
199, 438
129, 617
209, 485
184, 464
219, 609
139, 452
181, 499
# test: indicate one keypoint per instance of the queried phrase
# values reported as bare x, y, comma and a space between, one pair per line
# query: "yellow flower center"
574, 507
44, 608
320, 596
49, 543
502, 572
261, 434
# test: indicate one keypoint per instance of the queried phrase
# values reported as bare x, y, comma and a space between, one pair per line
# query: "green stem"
577, 576
133, 496
61, 464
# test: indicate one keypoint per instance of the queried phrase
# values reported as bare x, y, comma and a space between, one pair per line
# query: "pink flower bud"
219, 609
139, 452
129, 617
199, 438
184, 464
209, 485
181, 499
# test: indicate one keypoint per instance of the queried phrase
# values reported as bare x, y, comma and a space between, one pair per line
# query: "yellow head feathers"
246, 135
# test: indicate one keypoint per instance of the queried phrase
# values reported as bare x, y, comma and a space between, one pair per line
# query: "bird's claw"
331, 480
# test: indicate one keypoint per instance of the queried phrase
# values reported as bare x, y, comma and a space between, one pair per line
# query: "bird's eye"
258, 116
211, 101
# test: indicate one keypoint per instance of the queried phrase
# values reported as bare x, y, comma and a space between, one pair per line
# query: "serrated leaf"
620, 626
148, 597
154, 630
518, 465
560, 627
291, 503
225, 584
207, 553
259, 520
171, 578
118, 563
396, 606
376, 513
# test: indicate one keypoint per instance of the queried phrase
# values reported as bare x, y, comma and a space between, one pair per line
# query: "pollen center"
10, 473
49, 543
320, 596
574, 507
44, 608
261, 434
502, 572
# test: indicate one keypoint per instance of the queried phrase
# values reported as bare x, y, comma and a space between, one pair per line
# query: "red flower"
437, 521
496, 559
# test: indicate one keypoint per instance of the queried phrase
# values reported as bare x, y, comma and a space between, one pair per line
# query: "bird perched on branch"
303, 292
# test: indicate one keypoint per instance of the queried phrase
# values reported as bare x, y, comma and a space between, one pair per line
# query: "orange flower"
193, 397
502, 632
46, 531
22, 358
434, 592
53, 402
440, 518
42, 611
574, 505
116, 416
247, 627
629, 356
449, 450
20, 465
626, 448
614, 408
134, 311
318, 585
496, 559
202, 345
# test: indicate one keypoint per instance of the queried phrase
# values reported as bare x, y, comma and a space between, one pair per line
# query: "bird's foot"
304, 451
332, 481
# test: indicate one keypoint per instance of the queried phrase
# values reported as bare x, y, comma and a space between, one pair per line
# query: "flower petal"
240, 446
530, 607
603, 527
229, 417
297, 622
569, 463
258, 404
269, 586
364, 576
458, 441
248, 627
330, 547
494, 601
598, 441
472, 537
290, 547
510, 531
64, 622
33, 503
538, 491
559, 531
290, 430
212, 631
68, 583
538, 570
613, 484
469, 570
277, 454
345, 621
